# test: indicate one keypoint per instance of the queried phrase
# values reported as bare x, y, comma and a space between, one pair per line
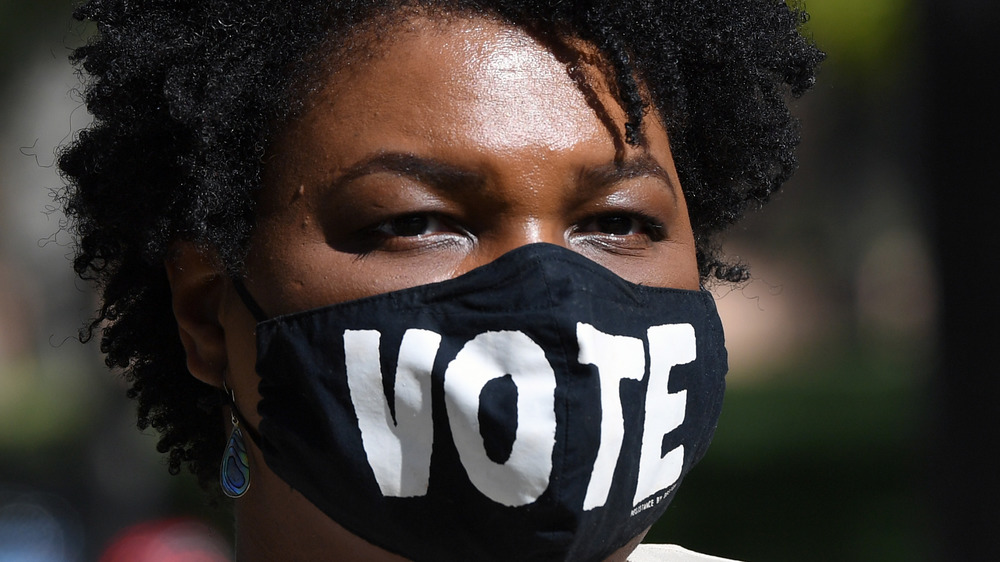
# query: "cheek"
679, 264
300, 271
674, 265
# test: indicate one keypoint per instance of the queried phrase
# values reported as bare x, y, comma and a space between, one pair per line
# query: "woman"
434, 266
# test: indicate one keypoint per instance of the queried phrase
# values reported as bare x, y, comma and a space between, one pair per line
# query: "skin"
453, 144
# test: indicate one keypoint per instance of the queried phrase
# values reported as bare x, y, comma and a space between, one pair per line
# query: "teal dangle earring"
235, 471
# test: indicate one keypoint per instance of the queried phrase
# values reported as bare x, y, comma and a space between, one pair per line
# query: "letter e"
669, 345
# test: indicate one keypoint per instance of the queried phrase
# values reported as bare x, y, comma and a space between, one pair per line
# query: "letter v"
398, 451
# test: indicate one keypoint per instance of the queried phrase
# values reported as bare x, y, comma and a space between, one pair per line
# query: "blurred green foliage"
862, 38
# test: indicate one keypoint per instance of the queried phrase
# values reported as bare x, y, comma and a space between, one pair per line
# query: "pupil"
410, 226
618, 226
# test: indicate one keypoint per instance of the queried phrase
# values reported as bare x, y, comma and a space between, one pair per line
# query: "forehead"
462, 118
443, 77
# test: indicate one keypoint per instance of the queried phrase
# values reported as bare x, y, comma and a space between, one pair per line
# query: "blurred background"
860, 418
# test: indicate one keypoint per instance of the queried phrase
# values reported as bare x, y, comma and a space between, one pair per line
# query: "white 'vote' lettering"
399, 450
616, 358
669, 345
524, 476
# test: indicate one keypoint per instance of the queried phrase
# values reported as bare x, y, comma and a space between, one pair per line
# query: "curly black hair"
186, 95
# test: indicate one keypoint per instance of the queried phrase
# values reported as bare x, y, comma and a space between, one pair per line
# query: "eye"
408, 226
624, 224
616, 225
405, 233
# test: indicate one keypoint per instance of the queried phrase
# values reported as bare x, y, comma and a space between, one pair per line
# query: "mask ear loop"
248, 300
234, 474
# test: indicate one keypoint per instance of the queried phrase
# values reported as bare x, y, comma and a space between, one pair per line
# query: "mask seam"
564, 430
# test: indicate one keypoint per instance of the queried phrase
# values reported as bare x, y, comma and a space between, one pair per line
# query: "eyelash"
430, 219
649, 226
417, 226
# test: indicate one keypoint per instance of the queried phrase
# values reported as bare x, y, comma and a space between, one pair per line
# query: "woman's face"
451, 145
459, 142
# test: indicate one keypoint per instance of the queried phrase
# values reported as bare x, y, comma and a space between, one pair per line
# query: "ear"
197, 287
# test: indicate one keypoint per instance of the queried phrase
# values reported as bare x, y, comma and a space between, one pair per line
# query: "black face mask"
536, 408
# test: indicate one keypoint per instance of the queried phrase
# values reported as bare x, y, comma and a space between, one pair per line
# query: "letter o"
491, 355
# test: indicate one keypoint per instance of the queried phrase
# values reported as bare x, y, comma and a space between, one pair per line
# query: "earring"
235, 471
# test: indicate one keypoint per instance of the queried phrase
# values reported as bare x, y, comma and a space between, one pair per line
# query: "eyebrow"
600, 177
449, 177
424, 170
